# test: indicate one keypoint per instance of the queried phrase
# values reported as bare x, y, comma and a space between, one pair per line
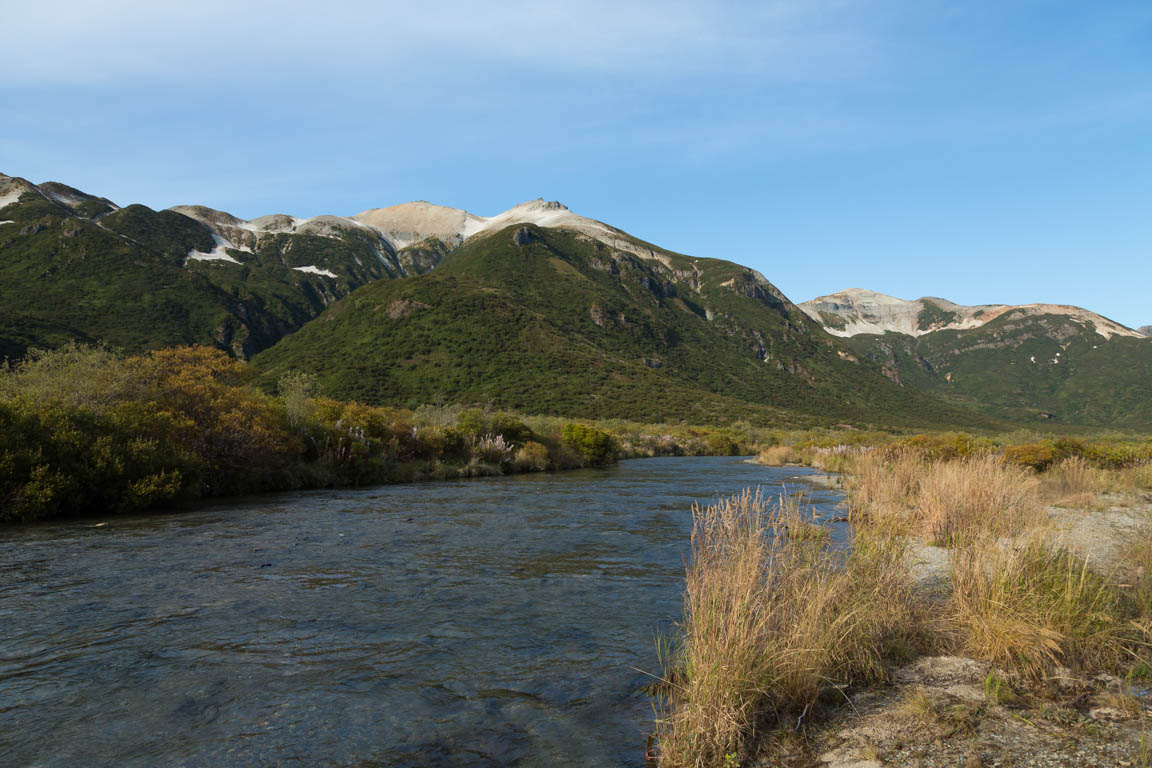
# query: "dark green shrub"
720, 445
60, 460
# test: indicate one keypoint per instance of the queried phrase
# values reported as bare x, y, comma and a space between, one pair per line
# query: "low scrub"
778, 455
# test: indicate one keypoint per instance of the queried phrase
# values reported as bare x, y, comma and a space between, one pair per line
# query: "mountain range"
537, 309
1020, 363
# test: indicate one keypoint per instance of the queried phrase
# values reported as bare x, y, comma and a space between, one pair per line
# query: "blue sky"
986, 152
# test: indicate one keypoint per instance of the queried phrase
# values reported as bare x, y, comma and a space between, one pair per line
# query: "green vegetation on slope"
551, 321
1026, 368
86, 272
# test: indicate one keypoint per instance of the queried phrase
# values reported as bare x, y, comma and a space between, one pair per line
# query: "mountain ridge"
423, 303
1034, 362
856, 311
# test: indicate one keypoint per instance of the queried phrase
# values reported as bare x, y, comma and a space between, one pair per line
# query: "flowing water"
492, 622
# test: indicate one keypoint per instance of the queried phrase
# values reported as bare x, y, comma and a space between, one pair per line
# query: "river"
492, 622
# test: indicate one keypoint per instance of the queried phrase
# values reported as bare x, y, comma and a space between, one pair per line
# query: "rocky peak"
12, 187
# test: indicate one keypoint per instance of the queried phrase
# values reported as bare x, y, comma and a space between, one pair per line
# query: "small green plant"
997, 690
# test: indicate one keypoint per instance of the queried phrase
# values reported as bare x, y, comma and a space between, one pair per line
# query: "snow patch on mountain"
856, 311
314, 270
11, 189
219, 253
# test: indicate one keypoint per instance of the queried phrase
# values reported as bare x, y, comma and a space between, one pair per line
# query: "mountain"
536, 308
855, 311
1027, 363
1145, 329
581, 319
77, 266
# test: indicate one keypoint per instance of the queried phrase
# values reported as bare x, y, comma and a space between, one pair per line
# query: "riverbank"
984, 614
84, 431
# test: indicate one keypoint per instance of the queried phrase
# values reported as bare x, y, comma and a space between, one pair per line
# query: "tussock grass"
974, 497
944, 501
1028, 606
775, 618
1072, 477
919, 704
1135, 568
776, 455
770, 622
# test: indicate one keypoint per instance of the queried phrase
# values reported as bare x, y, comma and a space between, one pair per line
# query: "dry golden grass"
1072, 477
777, 455
1076, 483
976, 497
944, 501
771, 621
920, 705
1024, 605
774, 617
1135, 568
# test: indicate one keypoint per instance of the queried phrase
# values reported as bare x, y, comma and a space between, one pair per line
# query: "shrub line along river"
492, 622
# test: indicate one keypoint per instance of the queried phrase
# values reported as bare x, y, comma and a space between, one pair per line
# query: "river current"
492, 622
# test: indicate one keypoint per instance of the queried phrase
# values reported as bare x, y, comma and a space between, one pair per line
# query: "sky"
989, 151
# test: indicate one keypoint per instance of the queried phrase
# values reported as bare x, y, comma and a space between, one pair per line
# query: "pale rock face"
400, 226
403, 225
12, 188
70, 196
1146, 330
863, 311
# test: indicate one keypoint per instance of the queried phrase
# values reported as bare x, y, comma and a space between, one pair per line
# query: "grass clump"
771, 622
1029, 606
943, 501
778, 455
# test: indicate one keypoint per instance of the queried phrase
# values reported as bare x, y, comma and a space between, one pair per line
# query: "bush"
593, 446
60, 460
531, 457
719, 445
86, 377
1037, 456
476, 423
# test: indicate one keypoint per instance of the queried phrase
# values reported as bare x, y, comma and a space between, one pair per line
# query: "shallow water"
491, 622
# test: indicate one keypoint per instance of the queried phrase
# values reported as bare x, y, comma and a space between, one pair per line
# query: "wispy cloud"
220, 43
